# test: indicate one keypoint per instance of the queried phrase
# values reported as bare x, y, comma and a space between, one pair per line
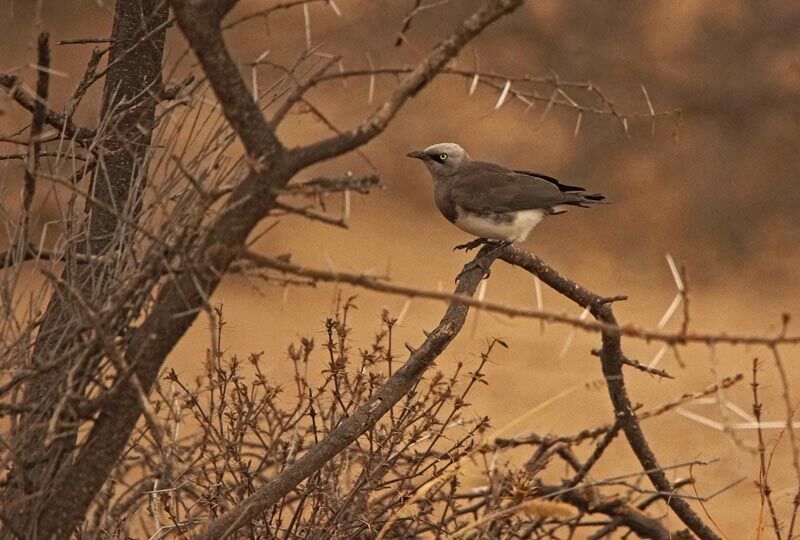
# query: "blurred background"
715, 186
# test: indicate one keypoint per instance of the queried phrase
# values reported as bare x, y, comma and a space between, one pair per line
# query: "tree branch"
611, 356
593, 433
37, 125
643, 525
116, 189
445, 51
200, 24
180, 300
362, 419
372, 283
13, 84
336, 184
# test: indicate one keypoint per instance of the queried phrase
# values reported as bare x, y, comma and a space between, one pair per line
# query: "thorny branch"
763, 472
182, 298
611, 355
415, 81
593, 433
192, 263
252, 260
19, 93
551, 91
393, 390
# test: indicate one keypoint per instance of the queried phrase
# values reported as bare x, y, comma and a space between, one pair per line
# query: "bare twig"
409, 87
310, 214
393, 390
589, 434
763, 471
83, 41
37, 124
13, 84
180, 300
34, 253
628, 330
336, 184
611, 355
790, 408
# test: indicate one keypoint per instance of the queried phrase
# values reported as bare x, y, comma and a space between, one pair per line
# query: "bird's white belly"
512, 227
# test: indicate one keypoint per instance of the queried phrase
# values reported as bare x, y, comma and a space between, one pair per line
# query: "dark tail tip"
594, 197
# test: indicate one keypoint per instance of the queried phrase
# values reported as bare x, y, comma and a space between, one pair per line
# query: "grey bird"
492, 202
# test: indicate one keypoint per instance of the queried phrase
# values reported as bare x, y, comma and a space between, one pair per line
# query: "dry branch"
611, 356
393, 390
324, 185
173, 282
16, 89
181, 299
415, 81
589, 434
118, 181
37, 125
629, 330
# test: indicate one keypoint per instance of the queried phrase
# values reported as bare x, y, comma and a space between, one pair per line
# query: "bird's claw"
478, 242
492, 246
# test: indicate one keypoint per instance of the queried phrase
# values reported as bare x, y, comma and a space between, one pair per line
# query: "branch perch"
365, 417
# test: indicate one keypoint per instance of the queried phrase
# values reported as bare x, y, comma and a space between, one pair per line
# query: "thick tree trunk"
133, 84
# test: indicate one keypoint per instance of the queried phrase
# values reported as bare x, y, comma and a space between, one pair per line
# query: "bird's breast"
444, 202
508, 226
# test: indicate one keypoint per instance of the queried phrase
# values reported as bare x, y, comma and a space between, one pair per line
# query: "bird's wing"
485, 187
561, 187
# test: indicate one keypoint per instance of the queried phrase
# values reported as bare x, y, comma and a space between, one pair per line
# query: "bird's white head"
442, 159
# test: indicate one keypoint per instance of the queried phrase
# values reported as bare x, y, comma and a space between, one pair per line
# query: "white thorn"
657, 358
335, 8
676, 275
307, 17
404, 311
503, 95
571, 336
262, 56
670, 311
577, 126
474, 85
371, 80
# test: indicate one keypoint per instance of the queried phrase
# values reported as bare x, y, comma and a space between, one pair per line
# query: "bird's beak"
417, 155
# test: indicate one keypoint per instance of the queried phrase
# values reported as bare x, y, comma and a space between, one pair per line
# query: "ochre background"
717, 189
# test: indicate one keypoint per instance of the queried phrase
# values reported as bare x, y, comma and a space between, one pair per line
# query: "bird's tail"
584, 201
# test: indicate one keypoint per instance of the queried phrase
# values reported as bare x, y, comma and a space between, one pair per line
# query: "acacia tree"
79, 380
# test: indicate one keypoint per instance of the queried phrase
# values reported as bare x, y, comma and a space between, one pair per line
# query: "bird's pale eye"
442, 157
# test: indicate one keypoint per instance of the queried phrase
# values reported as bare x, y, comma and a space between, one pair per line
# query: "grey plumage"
491, 201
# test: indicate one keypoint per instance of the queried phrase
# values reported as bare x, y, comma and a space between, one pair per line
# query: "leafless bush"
157, 202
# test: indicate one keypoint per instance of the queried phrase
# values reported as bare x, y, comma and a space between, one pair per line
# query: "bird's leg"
478, 242
497, 246
478, 263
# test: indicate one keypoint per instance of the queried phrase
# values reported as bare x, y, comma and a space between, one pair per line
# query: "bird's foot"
492, 247
478, 242
497, 246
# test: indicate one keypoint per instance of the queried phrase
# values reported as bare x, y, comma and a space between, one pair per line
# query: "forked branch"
612, 356
180, 300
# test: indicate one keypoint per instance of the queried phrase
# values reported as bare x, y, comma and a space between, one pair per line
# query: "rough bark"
183, 298
130, 95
